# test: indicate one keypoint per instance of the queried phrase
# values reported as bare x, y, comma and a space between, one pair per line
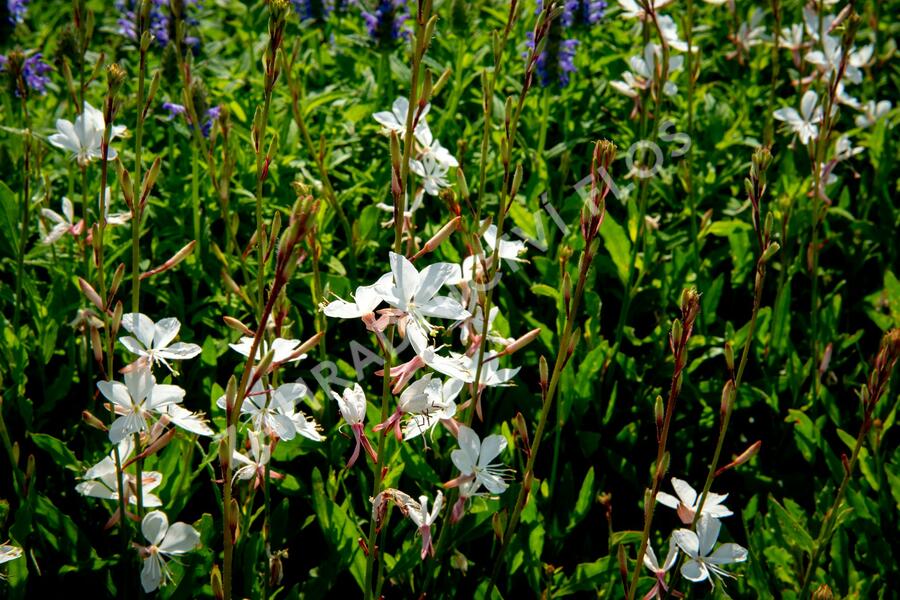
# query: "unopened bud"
677, 332
522, 341
90, 419
116, 319
770, 251
116, 280
91, 294
516, 181
729, 357
238, 326
115, 77
436, 240
659, 413
215, 581
542, 369
770, 222
522, 430
96, 345
727, 402
823, 592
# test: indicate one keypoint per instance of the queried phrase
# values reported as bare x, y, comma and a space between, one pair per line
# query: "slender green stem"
260, 239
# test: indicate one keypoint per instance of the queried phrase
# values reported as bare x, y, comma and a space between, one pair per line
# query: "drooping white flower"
432, 172
811, 20
101, 480
285, 350
352, 404
154, 340
644, 70
83, 138
702, 561
165, 540
253, 467
441, 408
424, 519
134, 400
659, 571
803, 123
415, 293
474, 459
395, 119
62, 223
872, 112
686, 502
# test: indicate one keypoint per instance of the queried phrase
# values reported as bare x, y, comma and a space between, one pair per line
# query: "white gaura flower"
474, 460
433, 174
83, 139
165, 540
112, 218
395, 119
253, 467
509, 249
669, 30
135, 400
352, 405
415, 293
365, 301
101, 481
686, 502
471, 329
633, 9
153, 341
8, 553
659, 589
433, 148
409, 209
62, 223
811, 20
270, 410
802, 123
829, 59
872, 112
702, 562
285, 350
644, 69
189, 421
442, 408
424, 519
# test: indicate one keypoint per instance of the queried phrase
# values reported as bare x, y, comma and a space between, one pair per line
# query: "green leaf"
58, 451
583, 503
617, 245
9, 220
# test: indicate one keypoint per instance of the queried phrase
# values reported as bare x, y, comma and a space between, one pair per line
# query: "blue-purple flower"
34, 72
211, 115
582, 12
557, 61
17, 10
313, 10
160, 26
385, 23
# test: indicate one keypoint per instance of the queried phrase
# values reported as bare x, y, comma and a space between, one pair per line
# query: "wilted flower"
165, 540
687, 500
154, 340
84, 138
62, 223
659, 571
352, 405
424, 519
702, 561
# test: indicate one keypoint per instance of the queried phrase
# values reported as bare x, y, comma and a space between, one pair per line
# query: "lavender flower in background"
585, 12
211, 115
385, 23
316, 11
161, 25
33, 70
17, 10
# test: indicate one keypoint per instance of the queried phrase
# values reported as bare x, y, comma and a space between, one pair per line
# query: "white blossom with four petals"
165, 541
153, 341
83, 138
704, 563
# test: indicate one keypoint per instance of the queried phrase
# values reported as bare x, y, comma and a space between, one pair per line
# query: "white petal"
686, 493
151, 574
180, 538
180, 351
165, 331
808, 104
707, 532
491, 448
727, 554
141, 326
154, 526
493, 483
694, 571
115, 392
431, 279
164, 394
687, 540
444, 307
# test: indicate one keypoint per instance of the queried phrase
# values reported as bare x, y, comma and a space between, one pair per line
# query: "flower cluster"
386, 23
160, 25
702, 559
557, 60
34, 72
212, 114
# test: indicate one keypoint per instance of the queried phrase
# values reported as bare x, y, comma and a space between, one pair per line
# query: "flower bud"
727, 402
542, 369
93, 421
729, 357
238, 326
823, 592
522, 430
770, 251
115, 77
91, 294
516, 181
659, 413
215, 581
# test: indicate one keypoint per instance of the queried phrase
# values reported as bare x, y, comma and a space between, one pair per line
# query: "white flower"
433, 174
420, 515
395, 119
409, 209
352, 405
267, 408
829, 59
365, 301
100, 481
62, 223
633, 9
669, 30
472, 328
284, 349
414, 293
644, 70
442, 407
254, 466
433, 148
872, 112
473, 459
187, 420
509, 250
154, 340
115, 218
844, 148
134, 401
659, 571
687, 500
8, 553
83, 139
165, 540
751, 32
811, 20
804, 122
698, 547
423, 401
